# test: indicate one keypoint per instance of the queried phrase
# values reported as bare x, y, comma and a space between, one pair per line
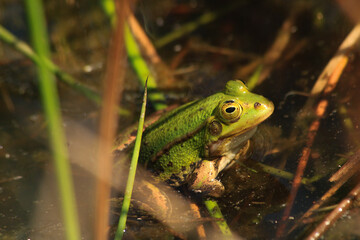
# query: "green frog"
192, 144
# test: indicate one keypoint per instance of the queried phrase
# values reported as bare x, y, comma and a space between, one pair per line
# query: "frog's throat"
229, 145
227, 160
243, 135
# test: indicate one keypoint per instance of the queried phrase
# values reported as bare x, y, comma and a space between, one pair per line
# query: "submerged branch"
346, 171
325, 85
339, 211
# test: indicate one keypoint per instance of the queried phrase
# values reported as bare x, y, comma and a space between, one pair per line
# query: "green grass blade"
215, 212
186, 29
109, 9
254, 78
142, 70
52, 112
138, 63
189, 27
132, 172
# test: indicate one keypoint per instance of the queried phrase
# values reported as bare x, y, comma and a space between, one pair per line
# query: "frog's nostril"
257, 105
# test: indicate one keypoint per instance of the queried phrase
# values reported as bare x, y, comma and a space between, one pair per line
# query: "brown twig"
335, 214
341, 57
179, 57
113, 87
326, 82
341, 176
199, 46
351, 8
278, 47
274, 53
10, 179
302, 164
141, 37
348, 169
159, 69
7, 99
200, 228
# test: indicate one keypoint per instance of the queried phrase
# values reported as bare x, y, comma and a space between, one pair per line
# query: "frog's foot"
214, 188
203, 181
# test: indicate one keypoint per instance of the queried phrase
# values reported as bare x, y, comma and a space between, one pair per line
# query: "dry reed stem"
301, 166
341, 56
200, 228
179, 57
277, 48
326, 82
112, 91
158, 68
349, 168
351, 8
332, 70
203, 47
142, 39
7, 99
274, 53
341, 176
335, 214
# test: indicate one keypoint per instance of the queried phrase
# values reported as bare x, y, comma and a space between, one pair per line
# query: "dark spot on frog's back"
159, 170
170, 164
170, 182
173, 180
151, 152
133, 133
166, 152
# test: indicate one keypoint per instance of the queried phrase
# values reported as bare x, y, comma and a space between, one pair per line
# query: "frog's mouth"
230, 145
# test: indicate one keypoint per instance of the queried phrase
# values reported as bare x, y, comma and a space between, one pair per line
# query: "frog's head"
235, 118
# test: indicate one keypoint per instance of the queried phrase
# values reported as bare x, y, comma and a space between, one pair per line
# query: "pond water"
287, 43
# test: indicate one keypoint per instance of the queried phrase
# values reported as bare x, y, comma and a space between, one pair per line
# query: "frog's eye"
230, 111
243, 83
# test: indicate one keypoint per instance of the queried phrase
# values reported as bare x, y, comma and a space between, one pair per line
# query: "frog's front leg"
203, 180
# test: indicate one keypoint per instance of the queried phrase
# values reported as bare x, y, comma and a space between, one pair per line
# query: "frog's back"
177, 125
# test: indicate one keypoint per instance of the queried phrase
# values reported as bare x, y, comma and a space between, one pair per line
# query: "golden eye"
230, 111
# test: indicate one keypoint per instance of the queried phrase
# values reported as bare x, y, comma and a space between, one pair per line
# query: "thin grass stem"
215, 212
142, 70
52, 112
189, 27
131, 178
